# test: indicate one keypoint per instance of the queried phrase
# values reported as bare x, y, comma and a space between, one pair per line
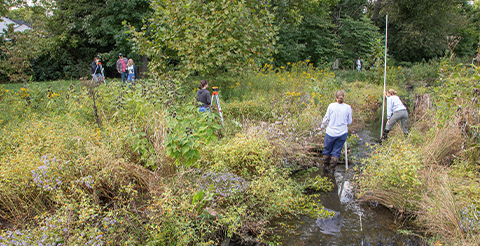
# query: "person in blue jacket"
337, 118
395, 111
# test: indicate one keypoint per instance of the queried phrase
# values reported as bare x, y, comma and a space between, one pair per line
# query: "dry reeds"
439, 211
446, 143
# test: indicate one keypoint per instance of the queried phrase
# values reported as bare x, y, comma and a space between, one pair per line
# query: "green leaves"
17, 49
417, 29
208, 38
188, 132
360, 38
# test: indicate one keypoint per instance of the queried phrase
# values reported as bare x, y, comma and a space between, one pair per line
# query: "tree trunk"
143, 66
376, 10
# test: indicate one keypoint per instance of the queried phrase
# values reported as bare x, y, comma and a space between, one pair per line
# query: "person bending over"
203, 96
395, 111
337, 119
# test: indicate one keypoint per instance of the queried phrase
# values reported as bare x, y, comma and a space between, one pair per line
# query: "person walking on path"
203, 96
337, 119
122, 67
96, 70
132, 71
395, 111
359, 65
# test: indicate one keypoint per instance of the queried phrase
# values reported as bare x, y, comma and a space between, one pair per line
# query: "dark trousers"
124, 77
332, 146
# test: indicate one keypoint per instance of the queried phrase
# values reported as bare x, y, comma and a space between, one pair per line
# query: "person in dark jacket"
96, 70
203, 96
132, 71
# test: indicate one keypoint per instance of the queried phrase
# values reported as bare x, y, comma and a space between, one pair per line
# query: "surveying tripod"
217, 102
99, 65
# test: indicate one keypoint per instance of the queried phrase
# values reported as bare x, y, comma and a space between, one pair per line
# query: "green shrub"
246, 155
391, 175
189, 131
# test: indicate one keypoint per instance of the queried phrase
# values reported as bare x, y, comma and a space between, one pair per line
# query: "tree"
305, 31
418, 29
469, 44
354, 9
358, 38
83, 29
207, 37
18, 49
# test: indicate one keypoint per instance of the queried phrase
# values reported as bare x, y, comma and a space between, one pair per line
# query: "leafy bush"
188, 131
247, 155
391, 176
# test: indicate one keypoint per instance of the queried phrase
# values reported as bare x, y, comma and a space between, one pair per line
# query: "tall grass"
439, 210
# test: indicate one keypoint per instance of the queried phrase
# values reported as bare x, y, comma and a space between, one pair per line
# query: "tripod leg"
219, 108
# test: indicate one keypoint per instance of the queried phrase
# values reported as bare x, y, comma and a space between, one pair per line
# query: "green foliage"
18, 49
393, 169
319, 183
359, 38
304, 32
432, 173
244, 155
417, 29
81, 30
208, 38
310, 39
121, 170
189, 131
203, 197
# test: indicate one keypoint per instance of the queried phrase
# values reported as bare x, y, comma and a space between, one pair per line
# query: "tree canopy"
207, 37
212, 37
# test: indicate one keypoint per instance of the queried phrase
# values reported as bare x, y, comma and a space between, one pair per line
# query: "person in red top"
122, 67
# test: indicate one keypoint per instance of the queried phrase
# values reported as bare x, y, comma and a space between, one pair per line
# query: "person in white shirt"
359, 65
395, 111
132, 71
337, 119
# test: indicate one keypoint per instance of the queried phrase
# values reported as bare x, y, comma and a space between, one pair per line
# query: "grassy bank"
109, 165
432, 176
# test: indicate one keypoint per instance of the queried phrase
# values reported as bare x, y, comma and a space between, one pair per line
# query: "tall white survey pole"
384, 76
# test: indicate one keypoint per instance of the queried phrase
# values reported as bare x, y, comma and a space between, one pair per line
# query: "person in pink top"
122, 67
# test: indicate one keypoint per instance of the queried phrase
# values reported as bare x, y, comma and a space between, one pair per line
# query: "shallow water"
354, 223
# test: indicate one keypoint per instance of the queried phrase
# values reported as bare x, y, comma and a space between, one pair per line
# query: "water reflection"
354, 223
330, 225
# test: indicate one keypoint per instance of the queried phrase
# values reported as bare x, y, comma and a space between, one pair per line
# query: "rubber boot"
385, 134
333, 163
326, 163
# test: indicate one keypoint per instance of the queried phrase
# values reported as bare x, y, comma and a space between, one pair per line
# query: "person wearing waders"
337, 119
203, 96
395, 111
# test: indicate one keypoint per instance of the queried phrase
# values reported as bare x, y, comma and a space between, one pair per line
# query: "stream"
354, 223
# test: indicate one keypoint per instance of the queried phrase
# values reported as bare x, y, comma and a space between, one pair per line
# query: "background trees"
207, 37
217, 36
83, 29
418, 29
